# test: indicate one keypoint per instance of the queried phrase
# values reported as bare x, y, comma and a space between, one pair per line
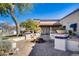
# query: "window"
74, 26
64, 27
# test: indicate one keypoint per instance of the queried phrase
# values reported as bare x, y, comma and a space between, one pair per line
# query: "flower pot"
60, 31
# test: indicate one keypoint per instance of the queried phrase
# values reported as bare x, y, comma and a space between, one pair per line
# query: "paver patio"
47, 49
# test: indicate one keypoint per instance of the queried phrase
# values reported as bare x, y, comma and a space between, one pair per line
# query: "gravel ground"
47, 49
25, 48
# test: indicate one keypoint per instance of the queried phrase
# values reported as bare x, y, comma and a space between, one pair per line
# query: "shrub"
70, 32
5, 46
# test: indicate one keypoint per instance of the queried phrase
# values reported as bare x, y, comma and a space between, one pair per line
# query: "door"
45, 30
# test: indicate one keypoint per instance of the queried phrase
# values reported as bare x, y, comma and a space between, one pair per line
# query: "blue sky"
44, 11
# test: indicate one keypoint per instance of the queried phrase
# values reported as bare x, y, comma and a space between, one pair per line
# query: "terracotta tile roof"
48, 22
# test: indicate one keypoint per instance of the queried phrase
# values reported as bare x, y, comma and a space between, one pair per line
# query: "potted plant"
61, 30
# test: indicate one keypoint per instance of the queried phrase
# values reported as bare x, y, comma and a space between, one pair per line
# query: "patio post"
50, 29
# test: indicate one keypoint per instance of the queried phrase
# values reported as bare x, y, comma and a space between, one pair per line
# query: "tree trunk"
15, 20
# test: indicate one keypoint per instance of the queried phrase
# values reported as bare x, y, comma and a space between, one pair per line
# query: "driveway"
47, 49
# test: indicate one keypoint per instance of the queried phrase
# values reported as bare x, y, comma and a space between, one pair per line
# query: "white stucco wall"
71, 19
73, 45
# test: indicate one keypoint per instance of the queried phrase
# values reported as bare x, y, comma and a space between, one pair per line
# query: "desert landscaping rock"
25, 48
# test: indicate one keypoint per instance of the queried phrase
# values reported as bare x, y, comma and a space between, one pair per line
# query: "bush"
5, 46
72, 33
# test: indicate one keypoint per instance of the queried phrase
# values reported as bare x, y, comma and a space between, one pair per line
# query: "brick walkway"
47, 49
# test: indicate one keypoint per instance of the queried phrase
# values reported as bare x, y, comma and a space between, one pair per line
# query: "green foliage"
30, 25
5, 8
71, 33
5, 47
24, 6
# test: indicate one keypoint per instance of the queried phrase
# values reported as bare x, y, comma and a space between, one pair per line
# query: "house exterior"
48, 26
71, 21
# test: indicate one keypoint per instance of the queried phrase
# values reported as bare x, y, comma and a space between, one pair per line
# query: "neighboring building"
71, 21
48, 26
7, 29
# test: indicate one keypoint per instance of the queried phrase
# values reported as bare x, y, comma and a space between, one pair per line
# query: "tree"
9, 9
31, 25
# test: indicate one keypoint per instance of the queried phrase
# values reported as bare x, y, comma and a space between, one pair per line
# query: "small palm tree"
9, 9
